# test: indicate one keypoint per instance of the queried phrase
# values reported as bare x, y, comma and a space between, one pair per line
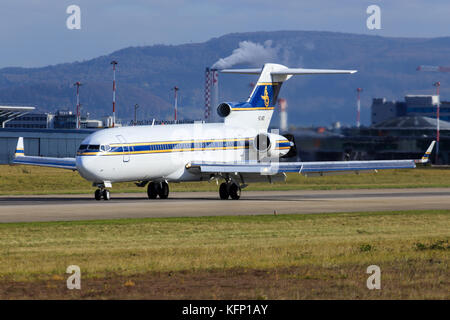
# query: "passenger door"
126, 148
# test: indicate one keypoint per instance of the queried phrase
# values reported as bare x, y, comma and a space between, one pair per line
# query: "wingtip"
20, 152
426, 156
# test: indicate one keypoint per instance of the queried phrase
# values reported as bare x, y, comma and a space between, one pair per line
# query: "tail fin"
20, 152
257, 111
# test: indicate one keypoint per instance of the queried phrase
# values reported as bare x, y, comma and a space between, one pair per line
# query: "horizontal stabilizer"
242, 71
290, 71
301, 71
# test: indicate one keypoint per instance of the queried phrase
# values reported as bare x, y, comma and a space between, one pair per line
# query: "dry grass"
331, 250
37, 180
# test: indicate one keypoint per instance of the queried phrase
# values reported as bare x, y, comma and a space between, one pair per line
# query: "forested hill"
145, 75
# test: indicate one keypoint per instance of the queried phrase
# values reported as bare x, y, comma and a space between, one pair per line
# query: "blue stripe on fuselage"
142, 148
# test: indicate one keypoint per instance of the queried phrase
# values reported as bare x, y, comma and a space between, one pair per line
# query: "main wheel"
151, 190
98, 194
163, 190
235, 192
223, 191
106, 195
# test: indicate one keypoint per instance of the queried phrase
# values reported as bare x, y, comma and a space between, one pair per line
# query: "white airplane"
239, 150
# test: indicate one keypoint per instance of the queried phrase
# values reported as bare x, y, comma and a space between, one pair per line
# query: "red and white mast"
78, 84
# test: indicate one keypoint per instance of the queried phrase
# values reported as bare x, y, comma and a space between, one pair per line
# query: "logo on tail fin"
265, 97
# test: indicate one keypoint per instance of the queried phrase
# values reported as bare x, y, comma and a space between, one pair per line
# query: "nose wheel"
102, 194
229, 190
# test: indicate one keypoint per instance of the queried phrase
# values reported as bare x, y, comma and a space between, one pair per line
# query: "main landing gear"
155, 189
102, 193
229, 190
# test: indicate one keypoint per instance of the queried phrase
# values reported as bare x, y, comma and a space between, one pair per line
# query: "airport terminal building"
41, 138
399, 130
396, 138
413, 105
41, 142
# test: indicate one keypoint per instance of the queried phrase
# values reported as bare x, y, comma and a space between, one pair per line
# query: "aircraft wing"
305, 168
21, 158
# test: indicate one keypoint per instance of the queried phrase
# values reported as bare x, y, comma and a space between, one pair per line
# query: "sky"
34, 32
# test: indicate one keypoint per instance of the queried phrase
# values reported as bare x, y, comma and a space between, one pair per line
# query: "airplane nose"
86, 168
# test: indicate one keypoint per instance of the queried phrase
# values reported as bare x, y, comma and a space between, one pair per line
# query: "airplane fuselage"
151, 153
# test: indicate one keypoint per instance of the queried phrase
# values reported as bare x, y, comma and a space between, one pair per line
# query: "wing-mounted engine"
270, 146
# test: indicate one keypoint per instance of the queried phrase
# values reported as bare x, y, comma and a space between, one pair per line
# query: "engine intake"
270, 145
262, 142
224, 110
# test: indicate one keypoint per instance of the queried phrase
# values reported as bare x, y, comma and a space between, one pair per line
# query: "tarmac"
195, 204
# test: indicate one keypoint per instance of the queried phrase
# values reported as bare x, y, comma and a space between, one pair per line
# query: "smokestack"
283, 115
211, 92
207, 93
215, 91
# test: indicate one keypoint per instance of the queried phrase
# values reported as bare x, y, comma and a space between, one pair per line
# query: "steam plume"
248, 52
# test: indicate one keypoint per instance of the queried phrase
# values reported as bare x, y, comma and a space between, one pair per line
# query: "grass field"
37, 180
248, 257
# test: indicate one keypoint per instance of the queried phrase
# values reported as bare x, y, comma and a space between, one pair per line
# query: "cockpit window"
83, 147
94, 147
105, 147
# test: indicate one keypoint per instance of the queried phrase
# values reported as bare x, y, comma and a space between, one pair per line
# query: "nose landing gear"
102, 193
229, 190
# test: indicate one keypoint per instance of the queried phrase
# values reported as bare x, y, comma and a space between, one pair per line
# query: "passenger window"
83, 147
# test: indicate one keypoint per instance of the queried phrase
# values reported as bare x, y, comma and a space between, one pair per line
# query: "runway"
194, 204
